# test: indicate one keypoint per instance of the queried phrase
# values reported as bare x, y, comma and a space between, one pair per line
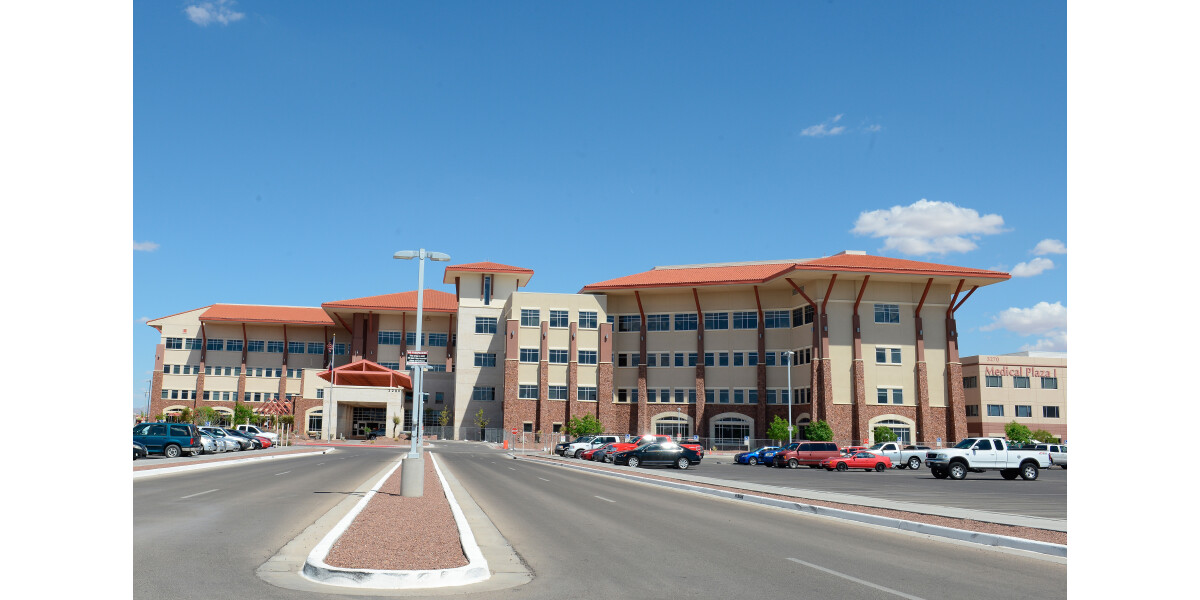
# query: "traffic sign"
514, 431
417, 357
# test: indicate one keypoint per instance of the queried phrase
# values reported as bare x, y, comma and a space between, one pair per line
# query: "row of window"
232, 371
533, 355
772, 319
393, 338
713, 396
997, 381
235, 345
1022, 410
532, 317
216, 396
714, 359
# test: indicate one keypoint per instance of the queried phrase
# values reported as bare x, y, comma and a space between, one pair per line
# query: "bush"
480, 420
585, 425
1042, 435
207, 414
242, 414
1017, 432
884, 434
778, 430
818, 431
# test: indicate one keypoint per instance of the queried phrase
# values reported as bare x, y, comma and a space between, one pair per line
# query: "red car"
266, 442
867, 461
853, 449
590, 454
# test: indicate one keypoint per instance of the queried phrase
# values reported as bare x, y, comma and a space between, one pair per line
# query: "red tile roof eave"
924, 272
961, 274
329, 307
596, 287
278, 321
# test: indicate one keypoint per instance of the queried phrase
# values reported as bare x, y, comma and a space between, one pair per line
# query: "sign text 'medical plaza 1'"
1019, 372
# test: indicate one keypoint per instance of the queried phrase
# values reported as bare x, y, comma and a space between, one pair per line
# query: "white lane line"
283, 473
199, 494
511, 469
543, 479
605, 499
856, 580
319, 464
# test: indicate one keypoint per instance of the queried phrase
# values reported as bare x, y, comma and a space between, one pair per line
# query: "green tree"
1017, 432
160, 417
395, 426
207, 414
444, 417
585, 425
884, 434
480, 420
1042, 435
288, 420
185, 415
778, 430
819, 431
242, 413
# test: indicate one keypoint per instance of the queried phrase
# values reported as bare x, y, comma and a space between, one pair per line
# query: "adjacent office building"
1029, 388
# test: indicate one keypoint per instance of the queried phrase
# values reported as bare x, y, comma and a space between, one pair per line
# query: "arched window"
901, 426
730, 430
675, 424
315, 420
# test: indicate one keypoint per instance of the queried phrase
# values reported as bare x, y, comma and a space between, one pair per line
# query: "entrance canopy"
366, 373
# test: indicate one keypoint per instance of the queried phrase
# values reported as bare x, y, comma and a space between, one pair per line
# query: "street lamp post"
791, 400
412, 470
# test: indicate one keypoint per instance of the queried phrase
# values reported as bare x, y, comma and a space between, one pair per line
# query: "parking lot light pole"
412, 470
791, 400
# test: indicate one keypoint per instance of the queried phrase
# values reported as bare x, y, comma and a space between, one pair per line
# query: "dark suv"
168, 439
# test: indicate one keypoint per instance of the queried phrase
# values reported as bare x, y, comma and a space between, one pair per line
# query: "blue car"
756, 457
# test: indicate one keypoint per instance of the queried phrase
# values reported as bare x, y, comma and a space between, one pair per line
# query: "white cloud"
1033, 267
145, 246
925, 227
218, 11
872, 128
143, 320
1056, 341
824, 129
1040, 319
1049, 246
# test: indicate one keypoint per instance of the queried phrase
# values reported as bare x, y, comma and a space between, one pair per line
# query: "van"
806, 453
168, 439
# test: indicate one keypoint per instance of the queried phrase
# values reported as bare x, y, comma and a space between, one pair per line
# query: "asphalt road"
611, 538
202, 534
1044, 497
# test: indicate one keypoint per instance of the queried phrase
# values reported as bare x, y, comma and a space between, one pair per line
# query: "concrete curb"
988, 539
222, 463
476, 569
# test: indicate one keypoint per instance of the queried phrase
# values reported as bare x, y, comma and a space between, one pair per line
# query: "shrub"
884, 434
818, 431
1017, 432
778, 430
585, 425
185, 415
480, 420
242, 414
1042, 435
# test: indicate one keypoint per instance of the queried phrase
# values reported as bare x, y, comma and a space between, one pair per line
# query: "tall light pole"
789, 354
412, 470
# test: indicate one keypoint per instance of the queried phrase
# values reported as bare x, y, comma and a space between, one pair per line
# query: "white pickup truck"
977, 455
902, 457
255, 430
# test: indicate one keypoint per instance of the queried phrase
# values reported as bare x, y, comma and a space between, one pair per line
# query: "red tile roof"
247, 313
366, 373
489, 267
763, 272
435, 301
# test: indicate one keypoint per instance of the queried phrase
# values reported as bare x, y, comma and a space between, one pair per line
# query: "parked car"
976, 455
258, 431
658, 453
603, 453
254, 443
236, 442
168, 439
853, 449
867, 461
139, 451
643, 440
1058, 453
805, 454
752, 457
908, 457
588, 442
208, 445
264, 441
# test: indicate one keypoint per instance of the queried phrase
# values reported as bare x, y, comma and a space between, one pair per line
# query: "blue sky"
282, 151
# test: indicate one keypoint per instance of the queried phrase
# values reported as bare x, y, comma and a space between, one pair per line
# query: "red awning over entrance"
366, 373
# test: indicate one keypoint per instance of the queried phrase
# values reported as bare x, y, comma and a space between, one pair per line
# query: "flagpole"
327, 419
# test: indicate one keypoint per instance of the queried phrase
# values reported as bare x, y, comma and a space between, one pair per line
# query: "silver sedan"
231, 443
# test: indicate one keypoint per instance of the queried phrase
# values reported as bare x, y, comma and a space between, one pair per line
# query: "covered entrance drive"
362, 397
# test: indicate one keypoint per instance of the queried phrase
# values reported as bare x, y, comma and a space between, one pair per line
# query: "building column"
156, 382
643, 406
371, 343
572, 378
543, 401
356, 338
200, 375
858, 419
605, 410
922, 372
512, 414
701, 418
403, 342
760, 421
956, 412
451, 344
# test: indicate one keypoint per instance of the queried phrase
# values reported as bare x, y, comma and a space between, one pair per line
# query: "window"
174, 343
658, 322
776, 319
339, 349
993, 381
558, 318
723, 396
751, 359
527, 391
1049, 383
970, 382
1050, 412
685, 322
395, 366
1021, 382
485, 324
739, 359
558, 357
437, 339
973, 410
216, 344
528, 427
192, 343
771, 397
486, 394
487, 292
739, 396
315, 348
744, 320
1024, 410
887, 313
622, 360
881, 395
722, 359
439, 397
802, 315
752, 396
587, 357
298, 373
485, 359
233, 345
629, 323
274, 346
995, 410
320, 393
558, 392
710, 359
804, 396
887, 356
587, 319
530, 317
716, 321
315, 420
587, 394
529, 355
770, 356
295, 347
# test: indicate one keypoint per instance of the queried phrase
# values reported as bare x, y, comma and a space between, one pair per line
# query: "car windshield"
878, 446
965, 444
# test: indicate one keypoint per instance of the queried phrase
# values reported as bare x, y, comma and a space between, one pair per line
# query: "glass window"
770, 356
485, 324
745, 320
527, 391
586, 393
275, 346
487, 292
530, 317
295, 347
752, 359
395, 366
897, 396
320, 393
722, 359
629, 323
881, 396
174, 343
710, 359
587, 319
995, 410
1049, 383
1024, 410
777, 319
587, 357
685, 322
971, 382
216, 344
234, 345
1050, 412
723, 396
993, 381
558, 357
658, 322
1021, 382
983, 445
887, 313
752, 396
679, 359
339, 349
191, 343
973, 410
529, 355
485, 359
558, 318
739, 396
315, 420
716, 321
558, 392
437, 339
802, 315
486, 394
316, 348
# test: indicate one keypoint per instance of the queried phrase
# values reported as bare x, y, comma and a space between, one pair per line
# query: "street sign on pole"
417, 357
514, 431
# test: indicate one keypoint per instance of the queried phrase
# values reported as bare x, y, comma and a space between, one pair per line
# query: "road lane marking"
200, 494
543, 479
856, 580
319, 464
511, 469
283, 473
605, 499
